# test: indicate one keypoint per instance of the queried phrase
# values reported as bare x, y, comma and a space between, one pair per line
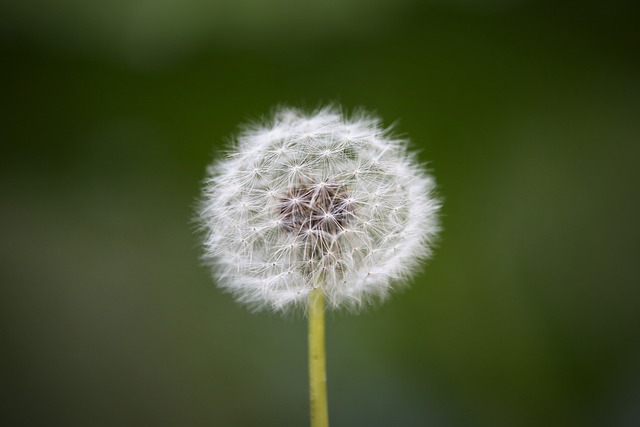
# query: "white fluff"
316, 200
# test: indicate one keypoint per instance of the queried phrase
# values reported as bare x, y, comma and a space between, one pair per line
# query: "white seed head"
316, 200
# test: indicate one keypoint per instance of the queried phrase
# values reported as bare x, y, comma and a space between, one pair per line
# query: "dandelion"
314, 210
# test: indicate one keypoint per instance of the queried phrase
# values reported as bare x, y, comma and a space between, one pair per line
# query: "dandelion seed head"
316, 200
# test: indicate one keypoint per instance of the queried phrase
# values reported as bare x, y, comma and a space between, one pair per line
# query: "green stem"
317, 361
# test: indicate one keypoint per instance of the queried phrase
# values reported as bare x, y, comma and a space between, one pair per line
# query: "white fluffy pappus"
316, 200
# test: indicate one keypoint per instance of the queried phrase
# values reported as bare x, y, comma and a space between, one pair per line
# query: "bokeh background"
528, 113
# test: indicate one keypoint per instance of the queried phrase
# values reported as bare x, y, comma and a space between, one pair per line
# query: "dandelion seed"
318, 195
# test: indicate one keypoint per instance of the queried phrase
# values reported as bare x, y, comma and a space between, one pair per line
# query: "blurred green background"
528, 112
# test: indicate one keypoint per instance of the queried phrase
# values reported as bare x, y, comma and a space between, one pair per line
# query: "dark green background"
528, 112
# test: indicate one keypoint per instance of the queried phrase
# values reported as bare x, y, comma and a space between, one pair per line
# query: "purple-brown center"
321, 210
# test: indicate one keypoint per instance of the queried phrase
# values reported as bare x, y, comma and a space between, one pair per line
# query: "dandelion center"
321, 210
